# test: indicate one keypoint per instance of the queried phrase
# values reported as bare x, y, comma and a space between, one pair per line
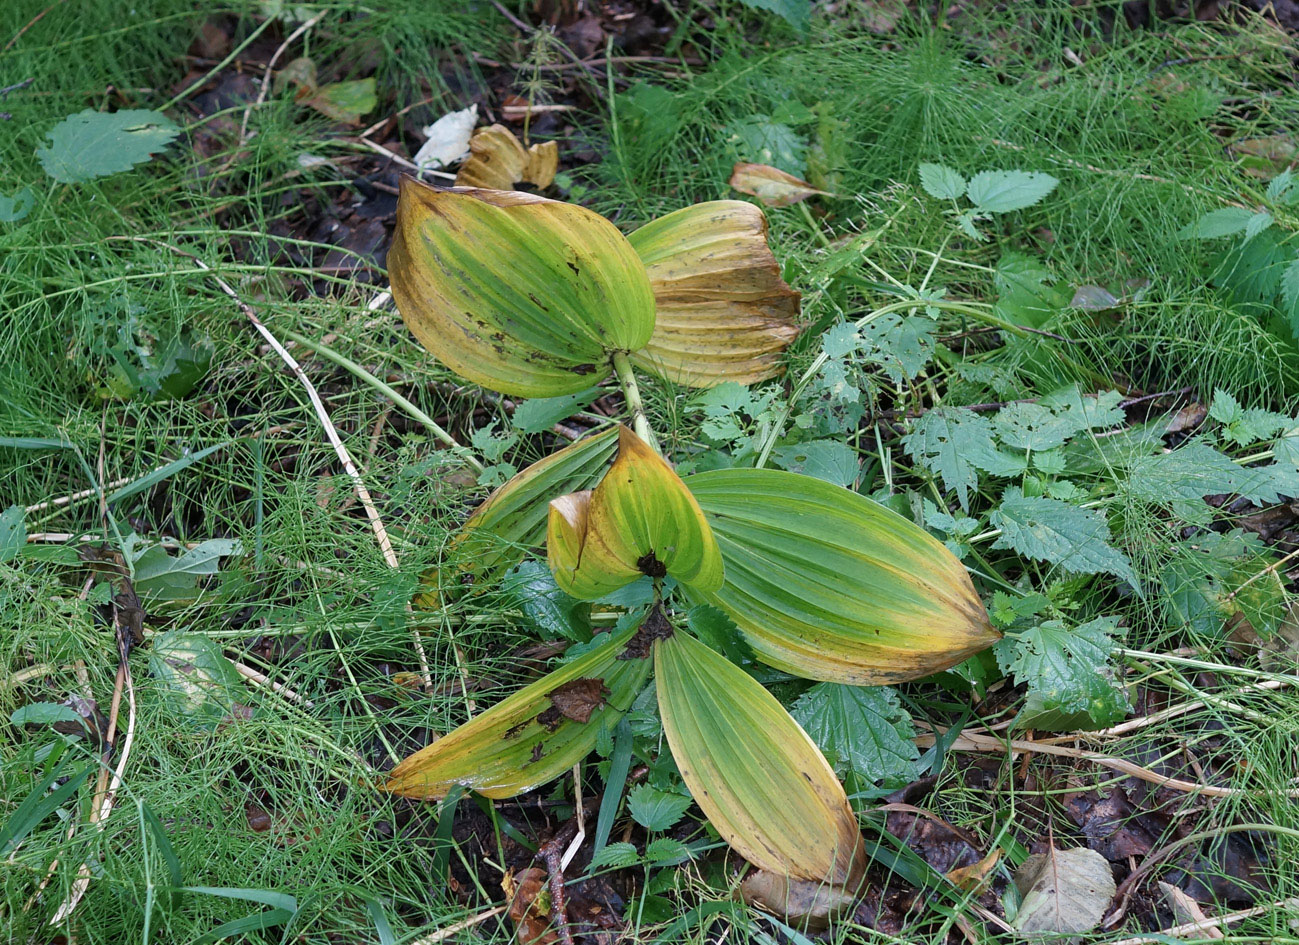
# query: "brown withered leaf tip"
574, 701
655, 627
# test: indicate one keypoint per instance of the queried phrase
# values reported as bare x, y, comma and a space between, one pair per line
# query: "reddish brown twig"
552, 854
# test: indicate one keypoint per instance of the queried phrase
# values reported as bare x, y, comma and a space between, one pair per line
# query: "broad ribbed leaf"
759, 778
522, 295
724, 312
640, 519
829, 585
536, 734
512, 520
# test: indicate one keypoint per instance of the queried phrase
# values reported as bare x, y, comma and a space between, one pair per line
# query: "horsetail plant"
531, 297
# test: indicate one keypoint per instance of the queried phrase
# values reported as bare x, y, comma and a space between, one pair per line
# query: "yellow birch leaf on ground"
640, 519
520, 294
724, 312
757, 776
771, 185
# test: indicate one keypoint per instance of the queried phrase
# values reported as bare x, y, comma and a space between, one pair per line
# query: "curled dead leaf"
799, 901
771, 185
498, 161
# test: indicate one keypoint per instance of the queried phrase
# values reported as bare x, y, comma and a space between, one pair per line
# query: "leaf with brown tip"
498, 161
724, 312
771, 185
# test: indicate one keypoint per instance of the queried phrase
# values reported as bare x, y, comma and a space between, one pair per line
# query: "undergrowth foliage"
1048, 323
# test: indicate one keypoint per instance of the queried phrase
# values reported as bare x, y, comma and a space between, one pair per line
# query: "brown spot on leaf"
649, 564
574, 701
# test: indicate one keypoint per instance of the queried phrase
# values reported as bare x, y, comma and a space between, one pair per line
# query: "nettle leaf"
1210, 583
795, 12
1257, 224
1086, 411
946, 441
1245, 426
1197, 470
95, 144
1004, 191
1032, 427
1218, 223
542, 413
901, 346
1025, 294
1068, 670
13, 532
654, 809
546, 609
862, 730
940, 182
616, 856
1046, 529
831, 460
1290, 296
15, 208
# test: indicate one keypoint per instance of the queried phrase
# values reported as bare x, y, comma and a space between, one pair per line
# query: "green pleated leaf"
762, 782
512, 520
536, 734
520, 294
829, 585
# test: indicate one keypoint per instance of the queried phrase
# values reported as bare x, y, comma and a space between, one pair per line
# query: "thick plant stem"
631, 392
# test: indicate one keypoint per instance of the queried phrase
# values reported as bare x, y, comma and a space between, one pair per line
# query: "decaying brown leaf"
799, 901
530, 906
498, 161
575, 700
723, 311
975, 875
771, 185
1062, 891
1186, 910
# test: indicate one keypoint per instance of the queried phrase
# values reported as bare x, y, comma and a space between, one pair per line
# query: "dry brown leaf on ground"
1062, 891
771, 185
498, 161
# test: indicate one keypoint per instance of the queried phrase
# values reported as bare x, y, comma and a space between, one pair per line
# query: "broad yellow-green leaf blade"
536, 734
512, 520
640, 519
830, 585
724, 312
762, 782
522, 295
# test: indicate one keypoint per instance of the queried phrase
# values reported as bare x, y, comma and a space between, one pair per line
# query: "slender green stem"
387, 390
636, 406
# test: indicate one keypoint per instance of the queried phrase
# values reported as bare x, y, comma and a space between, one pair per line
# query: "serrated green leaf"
1069, 670
1257, 224
901, 346
831, 460
43, 713
15, 208
654, 809
1197, 470
1217, 223
667, 850
1032, 427
616, 856
946, 441
1046, 529
1025, 294
195, 677
941, 182
546, 609
862, 730
540, 414
1290, 296
1004, 191
95, 144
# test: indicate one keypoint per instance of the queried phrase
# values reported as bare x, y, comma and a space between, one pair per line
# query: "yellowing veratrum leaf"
829, 585
536, 734
640, 519
724, 312
512, 520
497, 161
771, 185
522, 295
757, 776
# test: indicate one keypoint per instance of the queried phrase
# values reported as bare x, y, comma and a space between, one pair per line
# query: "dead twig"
551, 853
441, 935
1231, 918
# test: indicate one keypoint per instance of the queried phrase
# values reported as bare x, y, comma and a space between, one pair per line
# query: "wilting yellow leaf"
640, 519
771, 185
520, 294
724, 312
536, 734
757, 776
498, 161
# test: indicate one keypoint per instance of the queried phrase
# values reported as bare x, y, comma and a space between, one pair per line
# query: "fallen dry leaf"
771, 185
1186, 910
530, 906
574, 701
447, 139
799, 901
1062, 891
498, 161
975, 875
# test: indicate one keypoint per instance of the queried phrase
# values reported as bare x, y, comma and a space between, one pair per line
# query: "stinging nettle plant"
536, 298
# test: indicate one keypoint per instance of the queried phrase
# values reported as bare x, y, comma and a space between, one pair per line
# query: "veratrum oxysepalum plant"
535, 298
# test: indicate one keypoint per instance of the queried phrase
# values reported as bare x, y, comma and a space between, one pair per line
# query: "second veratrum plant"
536, 298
